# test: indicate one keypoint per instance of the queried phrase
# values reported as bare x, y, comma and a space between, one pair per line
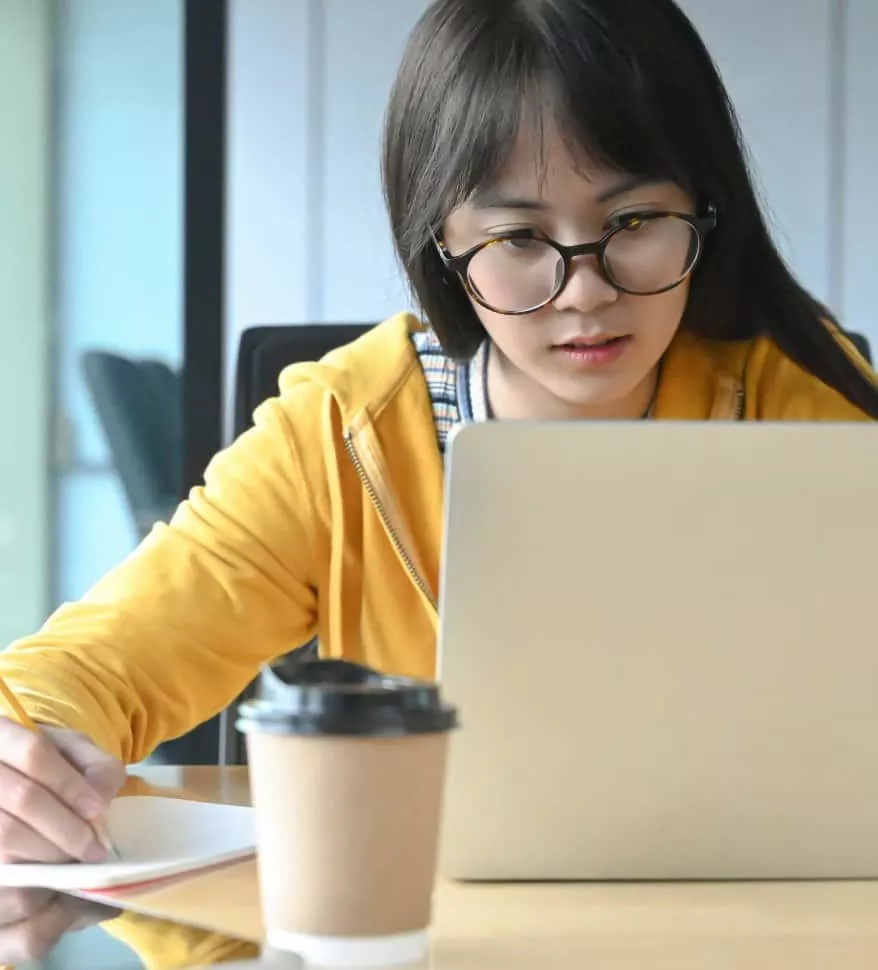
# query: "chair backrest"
861, 343
265, 351
140, 409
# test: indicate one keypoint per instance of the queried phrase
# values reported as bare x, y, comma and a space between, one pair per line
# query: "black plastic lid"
341, 698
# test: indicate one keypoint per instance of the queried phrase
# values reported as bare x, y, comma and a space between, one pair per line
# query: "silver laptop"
663, 641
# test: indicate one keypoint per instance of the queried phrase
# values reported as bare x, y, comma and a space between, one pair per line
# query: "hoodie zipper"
729, 400
375, 498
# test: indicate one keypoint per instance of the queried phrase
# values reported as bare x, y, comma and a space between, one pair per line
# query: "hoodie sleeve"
171, 637
170, 946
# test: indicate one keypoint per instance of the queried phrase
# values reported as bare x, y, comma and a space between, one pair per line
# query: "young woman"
569, 197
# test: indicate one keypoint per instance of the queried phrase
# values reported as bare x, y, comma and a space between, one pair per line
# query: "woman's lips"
594, 353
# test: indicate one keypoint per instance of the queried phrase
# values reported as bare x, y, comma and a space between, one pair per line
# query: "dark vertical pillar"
204, 276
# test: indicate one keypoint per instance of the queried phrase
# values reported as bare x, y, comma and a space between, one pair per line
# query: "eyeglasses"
520, 272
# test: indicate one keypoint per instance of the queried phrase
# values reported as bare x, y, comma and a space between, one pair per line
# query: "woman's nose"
586, 288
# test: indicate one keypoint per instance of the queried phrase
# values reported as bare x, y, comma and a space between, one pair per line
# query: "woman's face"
593, 351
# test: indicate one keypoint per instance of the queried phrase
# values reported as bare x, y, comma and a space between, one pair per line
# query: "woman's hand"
32, 921
53, 784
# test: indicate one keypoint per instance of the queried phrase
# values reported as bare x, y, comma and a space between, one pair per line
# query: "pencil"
25, 720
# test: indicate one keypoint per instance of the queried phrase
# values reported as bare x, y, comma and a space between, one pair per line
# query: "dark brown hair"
630, 84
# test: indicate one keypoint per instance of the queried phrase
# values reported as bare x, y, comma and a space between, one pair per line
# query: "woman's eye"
518, 242
630, 223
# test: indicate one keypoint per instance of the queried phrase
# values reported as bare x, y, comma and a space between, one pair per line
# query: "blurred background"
173, 172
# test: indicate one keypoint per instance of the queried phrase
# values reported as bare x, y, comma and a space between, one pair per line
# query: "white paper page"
156, 838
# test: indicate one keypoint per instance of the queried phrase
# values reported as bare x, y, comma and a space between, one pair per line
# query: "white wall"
268, 45
25, 313
269, 254
307, 235
859, 199
309, 128
362, 47
119, 243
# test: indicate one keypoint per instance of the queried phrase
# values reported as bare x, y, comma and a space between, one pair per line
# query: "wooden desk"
740, 926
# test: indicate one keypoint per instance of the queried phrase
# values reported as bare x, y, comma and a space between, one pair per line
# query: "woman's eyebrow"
495, 199
491, 198
627, 185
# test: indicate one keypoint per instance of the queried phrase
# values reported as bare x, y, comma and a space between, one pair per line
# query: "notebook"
157, 838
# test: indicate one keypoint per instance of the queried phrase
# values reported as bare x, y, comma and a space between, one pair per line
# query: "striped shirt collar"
458, 393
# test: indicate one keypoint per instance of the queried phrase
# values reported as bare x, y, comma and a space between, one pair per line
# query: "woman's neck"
515, 396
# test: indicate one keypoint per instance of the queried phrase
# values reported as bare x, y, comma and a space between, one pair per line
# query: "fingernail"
95, 853
90, 807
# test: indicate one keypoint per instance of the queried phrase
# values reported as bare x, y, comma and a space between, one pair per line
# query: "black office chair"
263, 352
139, 405
861, 344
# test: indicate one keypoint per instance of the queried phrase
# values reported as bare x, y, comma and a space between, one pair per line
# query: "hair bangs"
603, 97
486, 94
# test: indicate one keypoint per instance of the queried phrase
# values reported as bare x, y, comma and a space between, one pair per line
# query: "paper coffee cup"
347, 771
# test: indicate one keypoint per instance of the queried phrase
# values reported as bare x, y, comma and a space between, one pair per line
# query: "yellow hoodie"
325, 519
